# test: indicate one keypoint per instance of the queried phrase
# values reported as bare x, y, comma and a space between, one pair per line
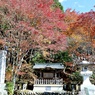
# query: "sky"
78, 5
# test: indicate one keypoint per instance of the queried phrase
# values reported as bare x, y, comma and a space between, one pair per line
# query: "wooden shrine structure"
49, 77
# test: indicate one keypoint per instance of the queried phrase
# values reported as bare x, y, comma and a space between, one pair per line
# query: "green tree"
58, 4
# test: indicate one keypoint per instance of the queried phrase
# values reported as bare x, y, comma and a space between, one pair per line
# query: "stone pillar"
3, 54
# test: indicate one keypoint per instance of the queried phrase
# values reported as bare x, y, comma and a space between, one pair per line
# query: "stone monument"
2, 72
86, 88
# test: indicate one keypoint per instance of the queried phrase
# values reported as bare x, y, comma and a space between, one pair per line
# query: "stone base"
48, 88
2, 86
87, 84
87, 89
85, 93
2, 89
4, 92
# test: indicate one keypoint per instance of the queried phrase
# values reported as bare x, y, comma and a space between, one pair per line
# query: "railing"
48, 81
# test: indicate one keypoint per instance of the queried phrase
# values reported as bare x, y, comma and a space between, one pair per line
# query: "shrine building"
48, 77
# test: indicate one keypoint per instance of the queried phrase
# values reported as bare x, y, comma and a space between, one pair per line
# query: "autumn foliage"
81, 33
34, 24
30, 25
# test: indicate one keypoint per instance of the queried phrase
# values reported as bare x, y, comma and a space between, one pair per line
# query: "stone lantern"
86, 88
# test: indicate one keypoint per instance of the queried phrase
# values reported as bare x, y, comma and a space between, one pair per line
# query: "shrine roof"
84, 62
48, 65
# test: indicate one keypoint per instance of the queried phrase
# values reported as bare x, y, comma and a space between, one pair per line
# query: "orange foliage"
93, 43
2, 42
8, 75
81, 29
69, 64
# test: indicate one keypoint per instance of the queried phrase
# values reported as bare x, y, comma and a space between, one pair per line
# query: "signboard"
48, 88
48, 75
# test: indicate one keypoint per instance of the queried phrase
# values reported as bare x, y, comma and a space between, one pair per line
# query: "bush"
10, 87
